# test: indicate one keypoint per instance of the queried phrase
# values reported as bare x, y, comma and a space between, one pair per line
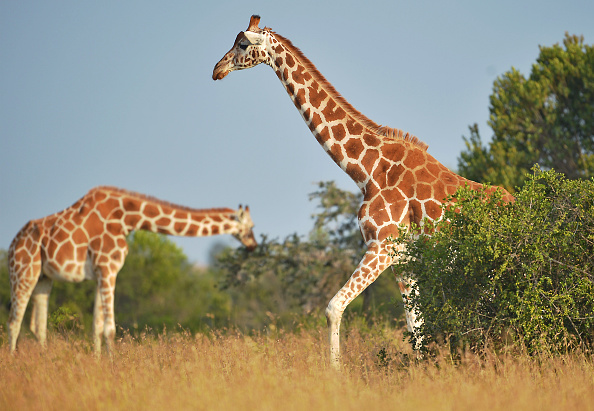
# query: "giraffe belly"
72, 272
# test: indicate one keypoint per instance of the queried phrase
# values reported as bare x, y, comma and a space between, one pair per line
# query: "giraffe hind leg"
40, 299
109, 328
98, 323
24, 271
413, 320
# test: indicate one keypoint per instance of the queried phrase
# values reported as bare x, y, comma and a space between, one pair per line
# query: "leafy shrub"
522, 272
65, 319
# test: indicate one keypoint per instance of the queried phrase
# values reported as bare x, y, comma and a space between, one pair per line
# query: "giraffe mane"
155, 200
382, 131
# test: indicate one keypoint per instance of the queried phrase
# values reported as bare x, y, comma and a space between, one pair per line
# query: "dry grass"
283, 371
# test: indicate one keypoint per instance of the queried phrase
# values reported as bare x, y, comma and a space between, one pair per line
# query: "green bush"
523, 272
66, 319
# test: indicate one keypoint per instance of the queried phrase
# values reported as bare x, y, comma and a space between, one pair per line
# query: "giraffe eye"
243, 46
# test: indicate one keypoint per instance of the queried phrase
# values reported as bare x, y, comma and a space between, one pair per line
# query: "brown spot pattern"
338, 132
333, 112
317, 97
354, 147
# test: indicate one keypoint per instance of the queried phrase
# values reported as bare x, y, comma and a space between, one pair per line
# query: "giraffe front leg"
40, 299
97, 323
104, 319
109, 329
333, 318
375, 261
106, 271
106, 292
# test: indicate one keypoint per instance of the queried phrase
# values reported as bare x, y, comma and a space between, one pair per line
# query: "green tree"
153, 266
159, 287
522, 270
546, 119
336, 221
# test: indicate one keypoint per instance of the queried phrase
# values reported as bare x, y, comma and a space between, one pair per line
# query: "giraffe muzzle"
221, 69
218, 75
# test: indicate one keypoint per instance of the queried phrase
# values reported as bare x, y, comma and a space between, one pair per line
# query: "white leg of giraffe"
109, 328
97, 322
407, 289
105, 317
375, 261
40, 300
413, 320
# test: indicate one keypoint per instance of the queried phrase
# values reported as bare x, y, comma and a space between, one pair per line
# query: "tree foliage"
159, 287
523, 270
547, 119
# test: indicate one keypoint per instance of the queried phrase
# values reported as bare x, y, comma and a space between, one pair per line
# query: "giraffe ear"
253, 38
254, 21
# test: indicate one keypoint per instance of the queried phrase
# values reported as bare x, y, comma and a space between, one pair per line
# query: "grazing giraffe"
401, 183
88, 241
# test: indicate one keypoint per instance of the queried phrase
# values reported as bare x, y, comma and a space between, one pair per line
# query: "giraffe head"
249, 50
245, 226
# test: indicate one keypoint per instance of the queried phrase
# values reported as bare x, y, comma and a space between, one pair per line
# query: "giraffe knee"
333, 313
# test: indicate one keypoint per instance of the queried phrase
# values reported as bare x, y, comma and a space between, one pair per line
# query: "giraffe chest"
379, 218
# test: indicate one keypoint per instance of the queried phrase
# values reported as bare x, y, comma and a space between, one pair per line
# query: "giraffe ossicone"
401, 183
88, 241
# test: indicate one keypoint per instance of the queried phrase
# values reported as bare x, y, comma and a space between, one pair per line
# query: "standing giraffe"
88, 241
401, 183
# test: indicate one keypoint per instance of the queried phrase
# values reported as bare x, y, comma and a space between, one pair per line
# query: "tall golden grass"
282, 371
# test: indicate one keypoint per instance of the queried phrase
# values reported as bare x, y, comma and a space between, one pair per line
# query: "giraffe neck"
139, 212
344, 133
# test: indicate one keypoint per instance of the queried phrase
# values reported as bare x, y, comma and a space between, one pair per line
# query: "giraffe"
88, 241
400, 181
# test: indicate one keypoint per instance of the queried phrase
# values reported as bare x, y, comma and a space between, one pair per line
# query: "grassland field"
277, 370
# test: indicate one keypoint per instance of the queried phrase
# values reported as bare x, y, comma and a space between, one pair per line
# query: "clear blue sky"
120, 93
